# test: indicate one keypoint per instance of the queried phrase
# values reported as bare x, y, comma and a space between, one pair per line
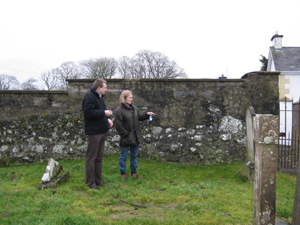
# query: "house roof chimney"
277, 41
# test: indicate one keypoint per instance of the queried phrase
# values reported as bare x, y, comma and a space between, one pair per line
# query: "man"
97, 124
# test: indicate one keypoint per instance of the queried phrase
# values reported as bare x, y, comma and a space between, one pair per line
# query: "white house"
287, 61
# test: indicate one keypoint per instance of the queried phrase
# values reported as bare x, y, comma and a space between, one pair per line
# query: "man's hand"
108, 112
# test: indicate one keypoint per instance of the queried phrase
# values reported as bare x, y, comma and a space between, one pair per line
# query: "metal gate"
289, 135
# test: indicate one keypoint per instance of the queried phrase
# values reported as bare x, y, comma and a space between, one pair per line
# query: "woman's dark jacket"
127, 125
95, 120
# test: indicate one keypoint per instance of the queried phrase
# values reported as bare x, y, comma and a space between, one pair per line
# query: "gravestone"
248, 164
52, 169
54, 175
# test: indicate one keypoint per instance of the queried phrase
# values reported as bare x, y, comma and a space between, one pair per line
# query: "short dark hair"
99, 83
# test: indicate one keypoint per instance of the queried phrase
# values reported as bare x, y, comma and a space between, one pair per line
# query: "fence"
289, 135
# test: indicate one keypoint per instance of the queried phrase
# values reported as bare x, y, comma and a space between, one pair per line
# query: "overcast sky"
205, 38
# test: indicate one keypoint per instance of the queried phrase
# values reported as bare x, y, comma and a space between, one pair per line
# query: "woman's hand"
151, 113
110, 122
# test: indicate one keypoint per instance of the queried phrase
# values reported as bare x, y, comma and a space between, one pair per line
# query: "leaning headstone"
52, 169
248, 165
54, 175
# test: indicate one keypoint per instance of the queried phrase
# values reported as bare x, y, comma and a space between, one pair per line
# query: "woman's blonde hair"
124, 95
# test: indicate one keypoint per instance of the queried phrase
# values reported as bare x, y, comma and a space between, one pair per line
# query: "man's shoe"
94, 187
124, 176
134, 175
101, 184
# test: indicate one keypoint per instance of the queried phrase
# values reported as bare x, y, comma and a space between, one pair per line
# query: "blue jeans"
134, 150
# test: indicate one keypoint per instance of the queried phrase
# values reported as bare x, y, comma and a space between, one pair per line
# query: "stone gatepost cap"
265, 128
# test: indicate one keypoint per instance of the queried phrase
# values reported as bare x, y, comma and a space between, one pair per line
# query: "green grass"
163, 194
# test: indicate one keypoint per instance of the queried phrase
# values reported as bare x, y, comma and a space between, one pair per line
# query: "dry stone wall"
17, 104
197, 122
61, 136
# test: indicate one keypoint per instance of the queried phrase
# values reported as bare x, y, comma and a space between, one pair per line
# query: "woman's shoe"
134, 175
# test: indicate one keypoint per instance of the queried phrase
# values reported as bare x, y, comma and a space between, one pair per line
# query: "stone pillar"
296, 209
296, 130
266, 130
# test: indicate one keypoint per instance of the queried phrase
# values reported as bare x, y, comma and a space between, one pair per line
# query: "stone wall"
17, 104
61, 136
264, 91
177, 102
198, 121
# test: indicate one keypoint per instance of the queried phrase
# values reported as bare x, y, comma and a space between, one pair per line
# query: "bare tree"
8, 82
50, 79
29, 84
67, 70
99, 68
147, 64
130, 67
125, 67
138, 68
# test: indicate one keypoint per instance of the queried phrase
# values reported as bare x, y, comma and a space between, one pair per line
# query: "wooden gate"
289, 135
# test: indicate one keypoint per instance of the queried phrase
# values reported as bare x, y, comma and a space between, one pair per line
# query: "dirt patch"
159, 212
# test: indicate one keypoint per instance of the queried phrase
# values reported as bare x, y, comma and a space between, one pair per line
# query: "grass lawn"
164, 193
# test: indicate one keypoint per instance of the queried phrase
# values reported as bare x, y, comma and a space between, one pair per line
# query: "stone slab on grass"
55, 181
54, 175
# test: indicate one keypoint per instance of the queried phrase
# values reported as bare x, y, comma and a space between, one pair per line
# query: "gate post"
296, 118
266, 131
296, 207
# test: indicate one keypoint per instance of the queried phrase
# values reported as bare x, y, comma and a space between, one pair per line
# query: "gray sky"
205, 38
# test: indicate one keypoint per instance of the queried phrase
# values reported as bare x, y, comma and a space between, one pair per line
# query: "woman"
126, 121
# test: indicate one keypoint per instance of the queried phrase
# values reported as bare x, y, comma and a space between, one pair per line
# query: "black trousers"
94, 158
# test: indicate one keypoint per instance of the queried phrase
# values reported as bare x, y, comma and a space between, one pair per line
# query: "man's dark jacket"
95, 120
127, 125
